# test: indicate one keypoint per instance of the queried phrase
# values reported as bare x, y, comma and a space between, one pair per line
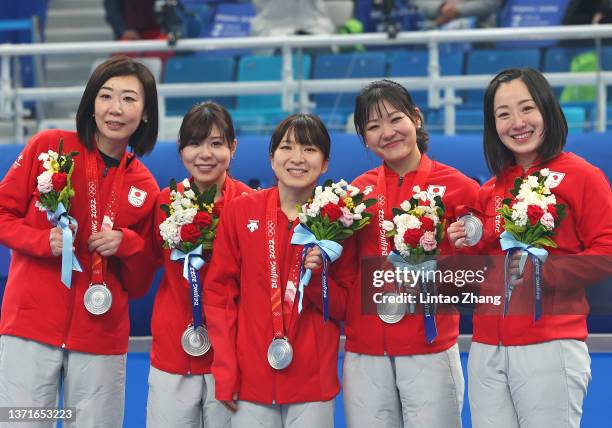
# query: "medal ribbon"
384, 211
278, 307
98, 264
330, 252
192, 263
69, 261
428, 288
538, 257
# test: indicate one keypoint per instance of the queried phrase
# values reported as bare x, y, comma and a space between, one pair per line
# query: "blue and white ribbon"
330, 250
428, 288
538, 257
192, 262
61, 219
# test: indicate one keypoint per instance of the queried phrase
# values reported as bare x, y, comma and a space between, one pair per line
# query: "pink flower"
548, 221
347, 217
428, 241
45, 183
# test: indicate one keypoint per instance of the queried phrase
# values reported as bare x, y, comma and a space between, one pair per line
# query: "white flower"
169, 232
532, 181
342, 183
357, 216
519, 214
406, 221
388, 225
40, 206
45, 185
416, 189
352, 190
544, 172
303, 218
318, 190
405, 205
186, 184
43, 157
548, 221
186, 203
189, 194
360, 208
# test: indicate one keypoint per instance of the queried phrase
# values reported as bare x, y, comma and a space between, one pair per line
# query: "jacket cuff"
130, 244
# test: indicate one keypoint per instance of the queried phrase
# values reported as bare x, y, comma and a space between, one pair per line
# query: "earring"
93, 114
145, 120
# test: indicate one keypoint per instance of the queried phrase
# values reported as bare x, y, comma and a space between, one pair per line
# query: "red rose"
427, 224
332, 211
412, 237
553, 212
190, 233
534, 213
59, 180
202, 219
216, 211
341, 203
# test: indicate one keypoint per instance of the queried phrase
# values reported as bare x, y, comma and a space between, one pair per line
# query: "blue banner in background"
531, 13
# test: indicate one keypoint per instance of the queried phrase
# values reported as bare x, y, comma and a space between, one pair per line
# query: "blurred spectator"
132, 19
584, 12
285, 17
442, 12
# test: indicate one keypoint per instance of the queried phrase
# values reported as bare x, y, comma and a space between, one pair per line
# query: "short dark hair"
499, 156
199, 121
308, 130
372, 96
143, 139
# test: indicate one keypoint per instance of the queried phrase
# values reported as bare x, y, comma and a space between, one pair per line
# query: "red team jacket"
36, 304
586, 231
367, 334
172, 309
238, 309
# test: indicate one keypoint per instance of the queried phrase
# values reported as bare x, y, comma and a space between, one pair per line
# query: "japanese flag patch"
136, 197
435, 190
554, 179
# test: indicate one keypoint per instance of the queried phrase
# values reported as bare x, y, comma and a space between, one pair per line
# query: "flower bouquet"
191, 219
188, 230
333, 213
54, 191
417, 229
530, 219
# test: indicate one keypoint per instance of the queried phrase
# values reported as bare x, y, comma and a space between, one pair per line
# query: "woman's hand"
313, 259
56, 240
106, 243
232, 405
514, 268
457, 234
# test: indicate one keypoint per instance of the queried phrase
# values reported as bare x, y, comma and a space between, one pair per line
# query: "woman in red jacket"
181, 388
525, 369
75, 331
394, 371
274, 367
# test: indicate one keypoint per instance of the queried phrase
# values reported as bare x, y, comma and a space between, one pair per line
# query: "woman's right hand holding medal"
457, 234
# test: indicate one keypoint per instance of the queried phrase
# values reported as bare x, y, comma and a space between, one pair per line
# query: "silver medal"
473, 229
280, 353
97, 299
195, 341
391, 313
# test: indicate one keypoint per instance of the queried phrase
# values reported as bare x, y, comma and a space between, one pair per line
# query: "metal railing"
295, 92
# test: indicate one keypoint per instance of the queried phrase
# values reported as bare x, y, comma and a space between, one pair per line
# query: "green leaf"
173, 184
369, 202
544, 242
